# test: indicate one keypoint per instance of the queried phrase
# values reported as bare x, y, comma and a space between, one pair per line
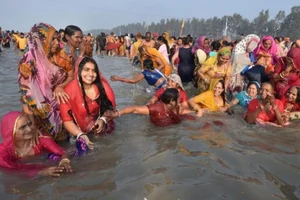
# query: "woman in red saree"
165, 112
291, 103
265, 109
18, 135
90, 101
287, 72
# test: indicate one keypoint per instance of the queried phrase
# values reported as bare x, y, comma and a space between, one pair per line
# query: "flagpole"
182, 26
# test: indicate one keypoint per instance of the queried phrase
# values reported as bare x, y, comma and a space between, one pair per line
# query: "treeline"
282, 24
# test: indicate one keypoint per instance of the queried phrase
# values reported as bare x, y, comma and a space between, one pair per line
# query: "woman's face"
267, 44
252, 91
54, 45
24, 129
171, 83
265, 90
224, 59
179, 42
88, 73
75, 39
292, 95
206, 44
218, 89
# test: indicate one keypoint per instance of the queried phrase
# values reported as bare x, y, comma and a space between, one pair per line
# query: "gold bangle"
64, 160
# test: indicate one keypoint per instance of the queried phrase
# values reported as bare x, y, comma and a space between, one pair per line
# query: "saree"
266, 57
291, 79
212, 72
37, 79
199, 45
161, 115
206, 100
240, 59
74, 110
154, 54
9, 159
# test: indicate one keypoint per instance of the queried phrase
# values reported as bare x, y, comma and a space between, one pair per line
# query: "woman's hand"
200, 113
67, 167
87, 141
286, 116
98, 126
52, 171
60, 95
288, 69
114, 78
82, 48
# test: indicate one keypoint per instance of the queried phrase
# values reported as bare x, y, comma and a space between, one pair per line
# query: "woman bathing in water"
153, 76
165, 112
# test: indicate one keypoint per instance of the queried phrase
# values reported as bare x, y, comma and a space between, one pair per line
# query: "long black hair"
102, 100
161, 38
70, 30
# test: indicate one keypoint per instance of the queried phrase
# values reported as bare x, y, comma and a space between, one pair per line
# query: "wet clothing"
161, 115
182, 95
186, 64
152, 76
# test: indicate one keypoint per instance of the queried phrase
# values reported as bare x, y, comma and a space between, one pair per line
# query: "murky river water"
215, 157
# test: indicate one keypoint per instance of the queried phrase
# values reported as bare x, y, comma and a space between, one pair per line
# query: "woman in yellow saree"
157, 58
211, 100
215, 68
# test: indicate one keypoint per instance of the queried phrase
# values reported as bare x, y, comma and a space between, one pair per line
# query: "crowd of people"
64, 94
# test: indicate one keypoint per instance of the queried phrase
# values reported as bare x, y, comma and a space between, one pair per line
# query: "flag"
182, 23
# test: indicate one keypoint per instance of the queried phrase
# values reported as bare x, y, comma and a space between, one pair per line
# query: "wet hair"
215, 45
161, 38
268, 83
170, 94
148, 33
102, 100
148, 64
61, 31
70, 30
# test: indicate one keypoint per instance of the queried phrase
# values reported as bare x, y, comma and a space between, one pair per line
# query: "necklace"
25, 152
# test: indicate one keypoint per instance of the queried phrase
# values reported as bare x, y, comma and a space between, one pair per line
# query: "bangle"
281, 75
79, 134
103, 119
118, 113
64, 160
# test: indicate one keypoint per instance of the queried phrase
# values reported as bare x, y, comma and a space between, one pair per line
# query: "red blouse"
182, 95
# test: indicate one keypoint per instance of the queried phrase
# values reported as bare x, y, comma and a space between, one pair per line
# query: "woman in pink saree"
18, 135
43, 72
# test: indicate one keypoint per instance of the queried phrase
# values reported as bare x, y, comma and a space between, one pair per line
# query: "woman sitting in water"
153, 76
90, 98
159, 61
165, 112
291, 103
173, 81
18, 135
287, 72
43, 72
210, 100
265, 109
243, 98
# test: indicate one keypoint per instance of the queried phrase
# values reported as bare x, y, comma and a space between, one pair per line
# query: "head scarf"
240, 59
37, 79
176, 79
213, 60
199, 45
294, 54
273, 49
8, 157
167, 38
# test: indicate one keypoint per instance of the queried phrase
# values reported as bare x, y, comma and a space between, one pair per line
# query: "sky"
105, 14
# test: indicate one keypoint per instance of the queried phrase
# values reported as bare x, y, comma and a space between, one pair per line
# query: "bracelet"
118, 112
103, 119
64, 160
80, 134
281, 75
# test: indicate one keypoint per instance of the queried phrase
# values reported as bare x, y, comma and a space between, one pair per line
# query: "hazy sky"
89, 14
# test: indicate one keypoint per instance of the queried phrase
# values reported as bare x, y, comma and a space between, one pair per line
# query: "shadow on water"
215, 157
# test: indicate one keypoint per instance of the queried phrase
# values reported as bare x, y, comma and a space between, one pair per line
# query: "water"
215, 157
